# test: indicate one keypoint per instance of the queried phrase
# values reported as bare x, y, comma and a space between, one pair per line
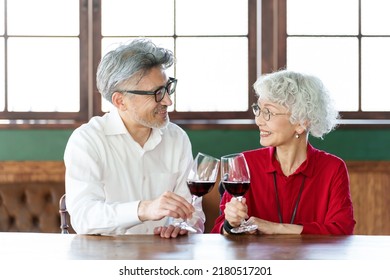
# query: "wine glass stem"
193, 199
243, 221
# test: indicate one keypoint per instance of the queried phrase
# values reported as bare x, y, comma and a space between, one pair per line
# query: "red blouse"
325, 205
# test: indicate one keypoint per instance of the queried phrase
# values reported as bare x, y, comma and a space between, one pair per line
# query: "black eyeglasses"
266, 113
159, 93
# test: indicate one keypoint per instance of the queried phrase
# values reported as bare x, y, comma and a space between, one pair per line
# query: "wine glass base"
244, 228
184, 225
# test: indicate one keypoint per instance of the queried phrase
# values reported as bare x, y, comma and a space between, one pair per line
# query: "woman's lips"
264, 133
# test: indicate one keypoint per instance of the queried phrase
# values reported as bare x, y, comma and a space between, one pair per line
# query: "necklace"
296, 202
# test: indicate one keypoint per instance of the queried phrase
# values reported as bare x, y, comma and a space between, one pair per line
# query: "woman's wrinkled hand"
236, 211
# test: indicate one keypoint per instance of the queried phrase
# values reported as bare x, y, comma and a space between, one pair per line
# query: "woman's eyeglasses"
265, 113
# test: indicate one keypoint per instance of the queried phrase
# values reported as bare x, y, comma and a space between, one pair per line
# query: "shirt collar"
114, 126
306, 168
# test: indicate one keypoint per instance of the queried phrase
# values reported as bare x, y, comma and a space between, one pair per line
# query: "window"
212, 42
40, 62
347, 47
49, 69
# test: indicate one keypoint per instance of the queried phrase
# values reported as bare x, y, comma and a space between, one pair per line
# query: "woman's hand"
263, 226
267, 227
236, 211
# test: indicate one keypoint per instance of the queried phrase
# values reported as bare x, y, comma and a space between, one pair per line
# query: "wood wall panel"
31, 171
370, 191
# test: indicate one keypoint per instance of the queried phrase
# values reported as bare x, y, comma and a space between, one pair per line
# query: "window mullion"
95, 41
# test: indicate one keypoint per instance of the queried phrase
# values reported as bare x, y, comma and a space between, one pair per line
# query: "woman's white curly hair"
305, 96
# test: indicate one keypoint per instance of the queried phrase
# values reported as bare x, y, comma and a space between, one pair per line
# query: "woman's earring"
297, 136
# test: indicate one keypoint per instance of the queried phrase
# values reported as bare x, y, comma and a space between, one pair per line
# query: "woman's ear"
118, 101
301, 128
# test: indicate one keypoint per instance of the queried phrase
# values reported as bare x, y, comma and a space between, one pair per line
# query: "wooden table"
38, 246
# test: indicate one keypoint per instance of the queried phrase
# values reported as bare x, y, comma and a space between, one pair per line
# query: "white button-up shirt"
108, 174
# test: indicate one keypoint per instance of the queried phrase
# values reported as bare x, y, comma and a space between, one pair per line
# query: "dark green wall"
349, 144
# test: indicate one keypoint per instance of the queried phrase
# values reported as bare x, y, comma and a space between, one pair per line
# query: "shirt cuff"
127, 214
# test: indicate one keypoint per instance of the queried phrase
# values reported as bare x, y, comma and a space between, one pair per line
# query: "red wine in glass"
200, 181
236, 181
200, 188
236, 188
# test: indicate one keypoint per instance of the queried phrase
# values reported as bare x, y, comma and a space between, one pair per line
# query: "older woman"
295, 188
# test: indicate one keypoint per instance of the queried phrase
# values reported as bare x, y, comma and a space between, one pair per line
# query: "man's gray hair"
119, 65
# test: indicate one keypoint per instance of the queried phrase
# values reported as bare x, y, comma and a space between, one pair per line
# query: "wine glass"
235, 179
201, 179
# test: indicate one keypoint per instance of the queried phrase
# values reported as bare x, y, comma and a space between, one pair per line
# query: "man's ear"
118, 101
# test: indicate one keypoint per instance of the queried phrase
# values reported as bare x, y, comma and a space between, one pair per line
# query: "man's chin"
165, 123
162, 124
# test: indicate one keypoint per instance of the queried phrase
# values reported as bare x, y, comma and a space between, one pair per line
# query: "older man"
126, 171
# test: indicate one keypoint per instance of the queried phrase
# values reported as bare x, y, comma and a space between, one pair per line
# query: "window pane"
2, 78
375, 74
1, 17
212, 73
43, 17
43, 74
217, 17
137, 18
334, 61
325, 17
375, 17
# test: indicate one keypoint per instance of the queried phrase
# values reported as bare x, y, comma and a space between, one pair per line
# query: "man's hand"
168, 204
169, 231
